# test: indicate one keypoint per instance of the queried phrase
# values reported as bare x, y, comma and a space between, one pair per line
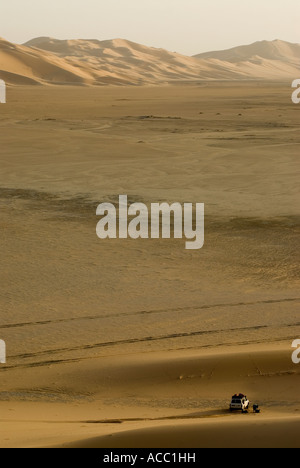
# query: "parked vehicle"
239, 402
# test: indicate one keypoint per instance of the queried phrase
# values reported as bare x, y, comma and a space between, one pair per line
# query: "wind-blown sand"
141, 343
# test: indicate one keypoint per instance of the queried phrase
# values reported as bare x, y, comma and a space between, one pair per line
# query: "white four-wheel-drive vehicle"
239, 402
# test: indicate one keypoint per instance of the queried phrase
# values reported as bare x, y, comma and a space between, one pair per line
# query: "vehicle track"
145, 312
79, 359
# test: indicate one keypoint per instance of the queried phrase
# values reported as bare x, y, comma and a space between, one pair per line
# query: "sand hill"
25, 65
275, 50
91, 62
276, 59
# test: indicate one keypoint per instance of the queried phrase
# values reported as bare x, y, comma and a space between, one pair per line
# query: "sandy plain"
125, 343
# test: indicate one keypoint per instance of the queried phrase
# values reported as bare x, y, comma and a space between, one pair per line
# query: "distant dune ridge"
46, 60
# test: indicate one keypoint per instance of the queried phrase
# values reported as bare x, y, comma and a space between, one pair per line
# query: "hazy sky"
186, 26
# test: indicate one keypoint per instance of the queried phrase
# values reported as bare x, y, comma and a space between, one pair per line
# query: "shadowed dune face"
263, 433
90, 62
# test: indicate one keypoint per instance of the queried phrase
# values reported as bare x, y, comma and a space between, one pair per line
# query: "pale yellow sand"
169, 399
145, 330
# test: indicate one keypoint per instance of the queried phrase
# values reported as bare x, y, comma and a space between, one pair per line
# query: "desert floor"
141, 343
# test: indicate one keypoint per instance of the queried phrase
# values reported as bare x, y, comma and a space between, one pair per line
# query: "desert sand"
125, 343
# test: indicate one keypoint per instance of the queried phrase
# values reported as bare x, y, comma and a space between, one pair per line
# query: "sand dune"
162, 400
24, 65
261, 59
46, 60
274, 50
255, 432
